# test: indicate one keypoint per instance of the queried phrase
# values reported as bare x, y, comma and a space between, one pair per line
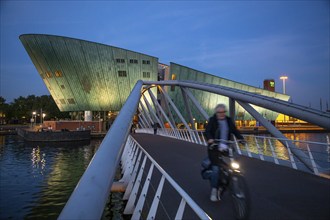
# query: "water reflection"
38, 160
38, 178
269, 147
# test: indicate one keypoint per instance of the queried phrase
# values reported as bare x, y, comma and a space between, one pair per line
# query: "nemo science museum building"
93, 80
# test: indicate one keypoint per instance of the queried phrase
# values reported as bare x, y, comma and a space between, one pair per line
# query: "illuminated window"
71, 101
58, 73
146, 74
120, 60
145, 61
272, 84
122, 73
133, 61
49, 74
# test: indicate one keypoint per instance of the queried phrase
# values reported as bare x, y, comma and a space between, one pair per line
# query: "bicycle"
231, 177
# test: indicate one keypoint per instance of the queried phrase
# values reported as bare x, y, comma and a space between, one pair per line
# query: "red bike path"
276, 192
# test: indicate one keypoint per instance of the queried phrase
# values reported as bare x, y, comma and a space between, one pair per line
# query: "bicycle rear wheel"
240, 197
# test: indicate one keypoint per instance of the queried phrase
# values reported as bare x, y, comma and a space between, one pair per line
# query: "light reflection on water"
319, 152
38, 178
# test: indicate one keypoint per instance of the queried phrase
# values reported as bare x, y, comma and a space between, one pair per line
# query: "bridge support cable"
161, 110
145, 119
142, 123
232, 109
276, 133
92, 192
151, 111
192, 134
147, 116
191, 118
167, 105
187, 107
313, 116
196, 103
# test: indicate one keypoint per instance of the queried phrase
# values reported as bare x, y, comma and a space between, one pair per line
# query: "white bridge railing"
138, 174
265, 148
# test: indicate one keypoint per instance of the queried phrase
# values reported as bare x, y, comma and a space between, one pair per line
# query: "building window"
49, 74
62, 86
145, 61
58, 73
62, 101
133, 61
71, 101
120, 60
122, 73
146, 74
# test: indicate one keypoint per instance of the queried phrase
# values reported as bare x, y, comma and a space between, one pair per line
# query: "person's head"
220, 111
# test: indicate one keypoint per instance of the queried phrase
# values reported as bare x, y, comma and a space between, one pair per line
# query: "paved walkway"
276, 192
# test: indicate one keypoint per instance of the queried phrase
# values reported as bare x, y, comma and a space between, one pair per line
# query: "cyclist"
221, 127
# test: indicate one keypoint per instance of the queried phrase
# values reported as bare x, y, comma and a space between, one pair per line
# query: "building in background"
269, 84
93, 80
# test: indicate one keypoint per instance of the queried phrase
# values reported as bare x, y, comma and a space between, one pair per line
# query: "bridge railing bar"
315, 169
279, 156
92, 192
136, 210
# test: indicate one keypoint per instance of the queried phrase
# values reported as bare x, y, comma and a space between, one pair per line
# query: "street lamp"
283, 78
34, 114
43, 117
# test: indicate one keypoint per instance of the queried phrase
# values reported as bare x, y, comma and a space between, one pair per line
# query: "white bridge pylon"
154, 115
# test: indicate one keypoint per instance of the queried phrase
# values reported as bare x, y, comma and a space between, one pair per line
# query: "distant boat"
51, 136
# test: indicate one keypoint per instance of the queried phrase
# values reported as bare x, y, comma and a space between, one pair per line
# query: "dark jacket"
212, 129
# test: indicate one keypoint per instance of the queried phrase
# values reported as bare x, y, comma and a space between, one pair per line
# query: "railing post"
155, 202
130, 204
291, 156
138, 209
273, 151
259, 150
180, 211
313, 162
237, 147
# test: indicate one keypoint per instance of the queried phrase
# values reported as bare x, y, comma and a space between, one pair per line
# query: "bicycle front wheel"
240, 197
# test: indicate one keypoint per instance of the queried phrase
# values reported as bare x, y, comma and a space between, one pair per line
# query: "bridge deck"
276, 192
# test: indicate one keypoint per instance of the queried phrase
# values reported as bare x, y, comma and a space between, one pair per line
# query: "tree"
20, 111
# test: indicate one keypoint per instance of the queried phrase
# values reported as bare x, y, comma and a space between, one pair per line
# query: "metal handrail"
152, 211
92, 192
299, 141
248, 151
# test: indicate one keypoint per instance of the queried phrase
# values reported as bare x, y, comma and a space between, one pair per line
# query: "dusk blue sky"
244, 41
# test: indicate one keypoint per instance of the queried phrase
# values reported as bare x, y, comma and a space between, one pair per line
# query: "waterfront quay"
12, 129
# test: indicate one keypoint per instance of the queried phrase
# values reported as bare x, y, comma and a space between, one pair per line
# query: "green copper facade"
87, 76
210, 100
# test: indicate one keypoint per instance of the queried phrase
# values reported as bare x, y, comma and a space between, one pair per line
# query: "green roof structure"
86, 76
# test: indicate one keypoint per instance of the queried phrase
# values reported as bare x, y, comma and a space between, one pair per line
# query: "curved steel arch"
313, 116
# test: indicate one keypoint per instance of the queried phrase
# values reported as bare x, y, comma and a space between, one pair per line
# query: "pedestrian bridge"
161, 173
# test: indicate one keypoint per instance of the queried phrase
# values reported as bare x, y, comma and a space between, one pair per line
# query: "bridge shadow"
276, 192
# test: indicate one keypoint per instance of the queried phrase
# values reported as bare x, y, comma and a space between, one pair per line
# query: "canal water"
36, 179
